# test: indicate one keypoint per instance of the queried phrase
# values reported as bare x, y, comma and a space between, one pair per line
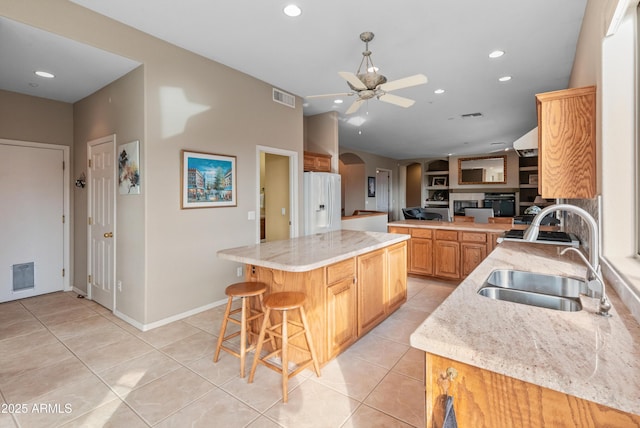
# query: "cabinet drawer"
395, 229
421, 233
447, 235
474, 236
340, 271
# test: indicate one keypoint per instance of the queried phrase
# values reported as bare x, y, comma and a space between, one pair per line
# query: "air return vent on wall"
23, 277
284, 98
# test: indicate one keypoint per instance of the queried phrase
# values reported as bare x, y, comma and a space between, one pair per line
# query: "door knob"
108, 235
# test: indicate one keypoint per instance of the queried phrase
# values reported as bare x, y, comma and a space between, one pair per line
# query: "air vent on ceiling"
284, 98
471, 115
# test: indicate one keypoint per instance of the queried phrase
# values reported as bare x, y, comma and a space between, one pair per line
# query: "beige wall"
224, 111
27, 118
115, 109
321, 136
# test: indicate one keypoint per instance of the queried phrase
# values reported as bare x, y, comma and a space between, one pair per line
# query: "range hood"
527, 145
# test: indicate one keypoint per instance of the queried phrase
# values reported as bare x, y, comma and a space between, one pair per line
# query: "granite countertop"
578, 353
310, 252
467, 227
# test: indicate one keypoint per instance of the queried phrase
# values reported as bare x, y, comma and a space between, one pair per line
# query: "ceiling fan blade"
353, 79
417, 79
340, 94
394, 99
355, 106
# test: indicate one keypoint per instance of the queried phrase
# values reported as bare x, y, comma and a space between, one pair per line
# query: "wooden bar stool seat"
285, 302
244, 291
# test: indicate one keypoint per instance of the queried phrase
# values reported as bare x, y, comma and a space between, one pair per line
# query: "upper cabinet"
566, 143
317, 162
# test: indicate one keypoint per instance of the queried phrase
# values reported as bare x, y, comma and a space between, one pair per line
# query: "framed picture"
208, 180
439, 181
129, 168
371, 187
533, 178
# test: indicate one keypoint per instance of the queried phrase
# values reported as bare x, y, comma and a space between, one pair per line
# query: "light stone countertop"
578, 353
310, 252
467, 227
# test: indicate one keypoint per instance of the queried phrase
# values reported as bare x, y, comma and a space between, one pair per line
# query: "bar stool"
284, 302
245, 291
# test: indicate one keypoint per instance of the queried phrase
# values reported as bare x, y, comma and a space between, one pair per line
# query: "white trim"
66, 203
293, 187
169, 320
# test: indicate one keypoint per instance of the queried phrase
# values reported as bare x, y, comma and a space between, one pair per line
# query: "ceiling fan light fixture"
292, 10
496, 54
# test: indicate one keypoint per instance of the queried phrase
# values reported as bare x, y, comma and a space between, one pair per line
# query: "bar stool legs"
243, 290
285, 302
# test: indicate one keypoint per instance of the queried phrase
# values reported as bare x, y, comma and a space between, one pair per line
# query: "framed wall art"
129, 168
208, 180
371, 187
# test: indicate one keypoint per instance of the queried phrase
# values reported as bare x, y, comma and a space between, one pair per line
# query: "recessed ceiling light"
496, 54
44, 74
504, 78
338, 101
292, 10
439, 91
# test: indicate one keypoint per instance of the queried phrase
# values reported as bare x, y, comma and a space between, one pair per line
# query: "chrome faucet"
594, 279
531, 234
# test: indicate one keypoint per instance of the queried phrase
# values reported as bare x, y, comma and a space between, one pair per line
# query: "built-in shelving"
436, 183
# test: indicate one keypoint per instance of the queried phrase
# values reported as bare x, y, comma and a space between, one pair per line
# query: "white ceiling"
448, 41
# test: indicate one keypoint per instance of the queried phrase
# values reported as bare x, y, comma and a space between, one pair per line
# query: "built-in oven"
503, 204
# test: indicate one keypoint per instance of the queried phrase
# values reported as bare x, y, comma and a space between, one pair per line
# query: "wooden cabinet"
473, 250
371, 289
421, 252
396, 277
486, 399
342, 321
566, 143
317, 162
446, 250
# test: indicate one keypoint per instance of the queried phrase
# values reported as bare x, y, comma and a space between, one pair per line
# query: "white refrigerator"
322, 206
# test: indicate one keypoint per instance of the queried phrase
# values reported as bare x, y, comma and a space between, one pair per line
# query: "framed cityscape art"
208, 180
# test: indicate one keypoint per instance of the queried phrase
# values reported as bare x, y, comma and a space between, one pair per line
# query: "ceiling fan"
370, 84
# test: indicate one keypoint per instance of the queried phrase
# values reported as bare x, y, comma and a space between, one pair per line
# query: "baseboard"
165, 321
78, 291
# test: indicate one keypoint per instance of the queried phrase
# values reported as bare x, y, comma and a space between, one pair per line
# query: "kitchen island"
524, 366
353, 280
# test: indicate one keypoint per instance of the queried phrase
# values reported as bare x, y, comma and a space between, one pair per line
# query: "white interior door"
383, 178
31, 220
102, 186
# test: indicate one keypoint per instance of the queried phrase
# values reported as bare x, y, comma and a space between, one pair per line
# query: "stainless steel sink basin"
535, 289
558, 303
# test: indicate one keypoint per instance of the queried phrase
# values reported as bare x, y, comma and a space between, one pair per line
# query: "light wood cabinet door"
421, 256
446, 259
371, 274
567, 143
397, 279
486, 399
341, 316
471, 255
317, 162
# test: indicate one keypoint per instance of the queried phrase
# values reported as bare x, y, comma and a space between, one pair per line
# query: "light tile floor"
69, 362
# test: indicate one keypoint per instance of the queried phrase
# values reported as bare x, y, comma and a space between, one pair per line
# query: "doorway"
277, 189
34, 219
102, 224
383, 191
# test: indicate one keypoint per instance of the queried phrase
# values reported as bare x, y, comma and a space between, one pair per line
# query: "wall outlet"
119, 285
239, 271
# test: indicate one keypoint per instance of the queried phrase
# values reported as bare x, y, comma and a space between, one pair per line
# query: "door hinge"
62, 218
89, 279
63, 165
90, 221
63, 272
89, 163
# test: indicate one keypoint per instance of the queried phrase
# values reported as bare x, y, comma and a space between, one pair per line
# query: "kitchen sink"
547, 291
558, 303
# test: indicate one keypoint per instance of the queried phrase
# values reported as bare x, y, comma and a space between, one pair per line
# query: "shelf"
437, 187
526, 204
529, 168
439, 203
528, 186
436, 172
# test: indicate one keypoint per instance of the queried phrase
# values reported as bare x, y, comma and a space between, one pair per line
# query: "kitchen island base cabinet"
486, 399
345, 299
